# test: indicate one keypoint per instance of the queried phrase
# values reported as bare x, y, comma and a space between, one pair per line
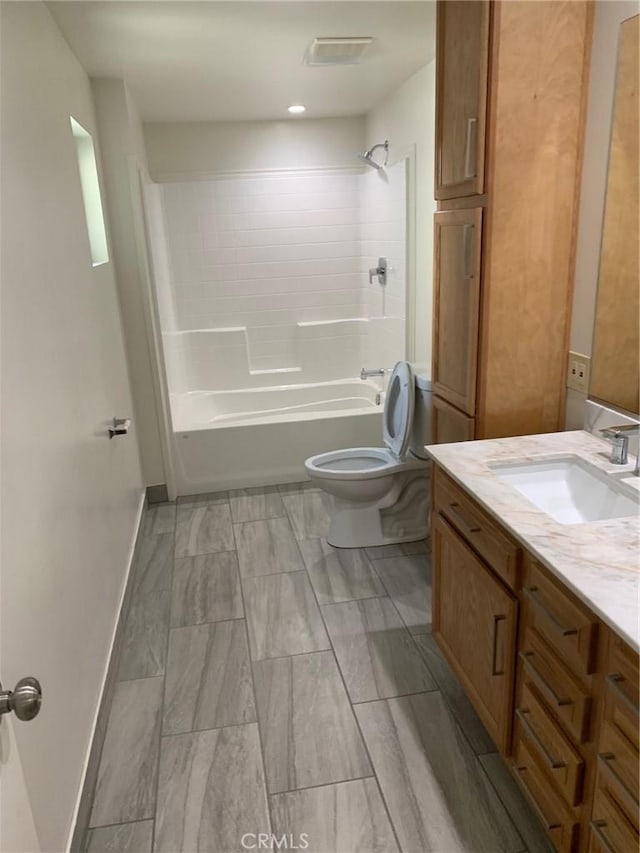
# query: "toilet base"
406, 519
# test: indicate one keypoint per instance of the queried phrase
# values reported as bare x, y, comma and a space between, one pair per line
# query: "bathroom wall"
269, 278
123, 149
604, 55
407, 119
383, 233
70, 498
178, 150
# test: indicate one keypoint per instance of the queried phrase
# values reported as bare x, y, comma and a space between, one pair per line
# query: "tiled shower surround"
263, 279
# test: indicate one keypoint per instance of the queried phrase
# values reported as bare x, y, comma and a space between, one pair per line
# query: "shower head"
367, 157
368, 161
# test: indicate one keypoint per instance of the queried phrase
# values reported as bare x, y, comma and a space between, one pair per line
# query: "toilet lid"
398, 409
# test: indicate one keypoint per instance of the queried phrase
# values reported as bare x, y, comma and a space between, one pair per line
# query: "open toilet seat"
358, 463
380, 495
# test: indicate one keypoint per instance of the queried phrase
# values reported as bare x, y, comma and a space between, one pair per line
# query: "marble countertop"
599, 561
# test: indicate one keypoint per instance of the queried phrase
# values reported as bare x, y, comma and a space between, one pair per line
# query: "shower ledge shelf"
333, 322
275, 370
218, 330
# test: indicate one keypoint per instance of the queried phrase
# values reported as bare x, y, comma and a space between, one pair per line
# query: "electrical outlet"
578, 372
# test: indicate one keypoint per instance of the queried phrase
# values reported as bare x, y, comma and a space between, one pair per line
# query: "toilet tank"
421, 427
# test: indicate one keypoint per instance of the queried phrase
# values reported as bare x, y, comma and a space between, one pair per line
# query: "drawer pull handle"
470, 149
526, 725
494, 653
613, 681
542, 683
606, 758
454, 512
599, 834
532, 593
467, 231
541, 816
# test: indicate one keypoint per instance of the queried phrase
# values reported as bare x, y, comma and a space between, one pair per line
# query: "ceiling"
232, 61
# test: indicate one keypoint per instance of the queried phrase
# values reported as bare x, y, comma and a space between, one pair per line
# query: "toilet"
382, 495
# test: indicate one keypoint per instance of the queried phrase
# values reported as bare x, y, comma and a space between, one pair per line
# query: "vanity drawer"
561, 691
483, 534
610, 830
552, 749
621, 692
559, 823
619, 762
567, 627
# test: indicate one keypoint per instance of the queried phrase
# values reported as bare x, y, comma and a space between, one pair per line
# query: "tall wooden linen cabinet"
511, 86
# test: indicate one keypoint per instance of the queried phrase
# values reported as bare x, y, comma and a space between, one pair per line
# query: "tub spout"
365, 374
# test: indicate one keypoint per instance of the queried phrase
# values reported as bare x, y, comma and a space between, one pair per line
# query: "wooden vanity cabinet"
556, 688
457, 239
475, 614
614, 817
507, 177
448, 424
462, 59
554, 726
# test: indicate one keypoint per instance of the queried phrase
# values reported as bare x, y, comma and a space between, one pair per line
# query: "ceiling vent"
336, 51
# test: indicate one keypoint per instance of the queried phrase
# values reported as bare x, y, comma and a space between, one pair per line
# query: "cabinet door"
462, 57
474, 623
457, 247
449, 424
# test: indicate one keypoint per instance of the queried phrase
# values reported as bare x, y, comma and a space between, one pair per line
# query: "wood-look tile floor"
273, 685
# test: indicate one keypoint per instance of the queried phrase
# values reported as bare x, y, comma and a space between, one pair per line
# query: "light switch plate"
578, 372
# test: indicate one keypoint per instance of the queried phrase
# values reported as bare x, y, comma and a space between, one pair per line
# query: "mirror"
615, 362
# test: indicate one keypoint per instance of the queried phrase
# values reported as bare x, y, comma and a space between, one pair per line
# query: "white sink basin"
569, 489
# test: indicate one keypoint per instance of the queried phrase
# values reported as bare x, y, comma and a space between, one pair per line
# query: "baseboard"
90, 775
280, 477
157, 494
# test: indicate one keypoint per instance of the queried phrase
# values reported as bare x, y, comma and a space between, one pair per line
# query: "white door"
70, 497
17, 830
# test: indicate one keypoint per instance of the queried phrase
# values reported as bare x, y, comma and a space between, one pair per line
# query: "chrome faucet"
619, 437
379, 272
365, 374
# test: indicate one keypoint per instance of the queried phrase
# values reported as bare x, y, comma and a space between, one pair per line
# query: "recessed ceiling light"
296, 108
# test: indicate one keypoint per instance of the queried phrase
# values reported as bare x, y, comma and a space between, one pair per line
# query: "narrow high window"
90, 193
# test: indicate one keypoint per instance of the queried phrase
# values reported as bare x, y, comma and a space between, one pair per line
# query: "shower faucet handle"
379, 272
119, 426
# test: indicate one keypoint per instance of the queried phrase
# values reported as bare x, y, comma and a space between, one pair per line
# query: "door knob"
25, 699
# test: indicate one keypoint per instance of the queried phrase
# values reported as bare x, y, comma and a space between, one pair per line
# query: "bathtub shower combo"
268, 316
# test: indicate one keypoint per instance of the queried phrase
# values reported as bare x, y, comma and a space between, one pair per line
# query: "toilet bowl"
381, 495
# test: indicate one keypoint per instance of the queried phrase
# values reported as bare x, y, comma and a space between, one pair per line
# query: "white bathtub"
261, 436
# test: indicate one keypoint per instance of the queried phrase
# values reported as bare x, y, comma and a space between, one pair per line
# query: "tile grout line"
164, 686
467, 739
212, 621
356, 721
500, 800
326, 785
255, 697
122, 823
436, 689
134, 580
395, 607
448, 704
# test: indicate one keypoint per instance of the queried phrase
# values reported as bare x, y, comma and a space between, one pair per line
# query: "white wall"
175, 149
121, 141
604, 56
383, 233
69, 496
254, 260
407, 119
